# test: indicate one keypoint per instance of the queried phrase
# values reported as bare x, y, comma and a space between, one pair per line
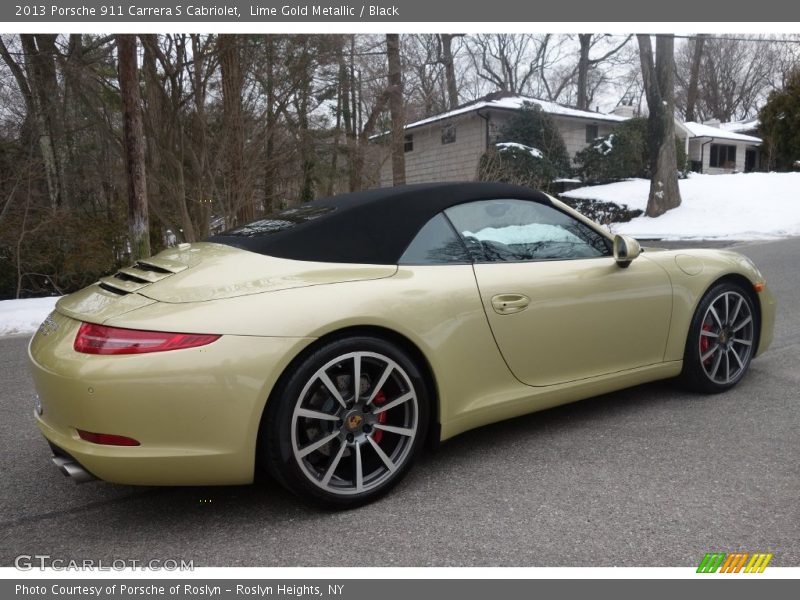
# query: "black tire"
721, 341
301, 411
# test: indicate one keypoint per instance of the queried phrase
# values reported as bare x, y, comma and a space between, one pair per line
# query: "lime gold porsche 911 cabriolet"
329, 342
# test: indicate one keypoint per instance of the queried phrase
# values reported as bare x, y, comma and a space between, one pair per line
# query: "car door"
559, 306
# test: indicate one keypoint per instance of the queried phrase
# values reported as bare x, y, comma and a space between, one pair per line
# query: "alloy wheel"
354, 423
726, 338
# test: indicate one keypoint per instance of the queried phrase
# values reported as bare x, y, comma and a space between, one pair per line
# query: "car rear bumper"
195, 412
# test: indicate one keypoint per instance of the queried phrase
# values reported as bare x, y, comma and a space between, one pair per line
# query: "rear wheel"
344, 427
721, 339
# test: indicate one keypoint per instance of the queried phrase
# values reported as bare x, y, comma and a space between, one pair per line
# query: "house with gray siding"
448, 146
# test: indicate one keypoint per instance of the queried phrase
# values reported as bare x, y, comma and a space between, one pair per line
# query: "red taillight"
107, 439
99, 339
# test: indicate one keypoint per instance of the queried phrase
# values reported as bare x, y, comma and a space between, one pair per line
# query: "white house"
713, 149
448, 146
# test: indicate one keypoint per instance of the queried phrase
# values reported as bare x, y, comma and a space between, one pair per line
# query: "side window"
522, 230
436, 243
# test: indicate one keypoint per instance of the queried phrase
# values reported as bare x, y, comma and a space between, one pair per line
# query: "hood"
205, 271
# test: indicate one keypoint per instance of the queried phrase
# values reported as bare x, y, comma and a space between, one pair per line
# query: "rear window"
281, 221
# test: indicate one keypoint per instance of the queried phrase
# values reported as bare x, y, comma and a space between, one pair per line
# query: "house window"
592, 133
408, 142
448, 134
722, 157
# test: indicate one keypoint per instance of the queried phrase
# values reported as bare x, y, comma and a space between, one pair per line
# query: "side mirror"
625, 250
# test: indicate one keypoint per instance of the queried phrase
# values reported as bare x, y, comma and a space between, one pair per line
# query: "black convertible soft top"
371, 227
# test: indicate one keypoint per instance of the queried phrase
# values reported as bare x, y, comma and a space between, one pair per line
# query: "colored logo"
353, 421
737, 562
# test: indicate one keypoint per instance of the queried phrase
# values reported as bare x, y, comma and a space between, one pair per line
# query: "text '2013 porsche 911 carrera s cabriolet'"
328, 342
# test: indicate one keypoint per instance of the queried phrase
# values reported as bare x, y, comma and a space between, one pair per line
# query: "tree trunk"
449, 69
396, 108
271, 168
133, 142
238, 200
38, 99
659, 85
585, 40
694, 77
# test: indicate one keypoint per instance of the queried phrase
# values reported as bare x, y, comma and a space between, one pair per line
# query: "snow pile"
744, 206
24, 316
534, 152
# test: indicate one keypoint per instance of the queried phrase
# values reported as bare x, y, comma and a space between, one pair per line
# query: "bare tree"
133, 142
446, 59
232, 74
585, 64
507, 61
396, 108
694, 76
659, 85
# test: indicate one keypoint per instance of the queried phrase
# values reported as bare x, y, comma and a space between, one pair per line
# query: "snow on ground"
744, 206
24, 316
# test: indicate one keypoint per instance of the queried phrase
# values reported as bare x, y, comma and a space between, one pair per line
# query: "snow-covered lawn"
745, 206
24, 316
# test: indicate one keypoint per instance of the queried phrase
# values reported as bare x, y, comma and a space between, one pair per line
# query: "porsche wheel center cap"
353, 421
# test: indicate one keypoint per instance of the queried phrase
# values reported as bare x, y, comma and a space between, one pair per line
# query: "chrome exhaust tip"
72, 469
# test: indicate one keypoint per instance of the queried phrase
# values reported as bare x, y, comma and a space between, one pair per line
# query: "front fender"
693, 273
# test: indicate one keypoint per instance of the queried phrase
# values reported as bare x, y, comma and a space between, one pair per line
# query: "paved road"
651, 476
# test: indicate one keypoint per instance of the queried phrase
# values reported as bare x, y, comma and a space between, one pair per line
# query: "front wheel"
346, 424
721, 339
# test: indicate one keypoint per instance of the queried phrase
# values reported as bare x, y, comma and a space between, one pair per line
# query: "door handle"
508, 304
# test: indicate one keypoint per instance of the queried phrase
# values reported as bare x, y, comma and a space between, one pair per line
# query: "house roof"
700, 130
515, 102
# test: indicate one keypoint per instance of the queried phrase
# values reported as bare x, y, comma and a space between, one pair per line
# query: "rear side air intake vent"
131, 279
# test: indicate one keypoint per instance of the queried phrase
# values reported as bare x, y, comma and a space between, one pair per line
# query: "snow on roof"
515, 103
699, 130
739, 126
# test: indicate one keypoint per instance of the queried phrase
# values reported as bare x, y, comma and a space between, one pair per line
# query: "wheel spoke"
359, 470
313, 414
715, 367
736, 310
736, 356
356, 376
377, 387
398, 430
303, 452
386, 460
743, 342
404, 398
727, 367
726, 302
334, 463
709, 354
738, 326
714, 314
323, 376
709, 333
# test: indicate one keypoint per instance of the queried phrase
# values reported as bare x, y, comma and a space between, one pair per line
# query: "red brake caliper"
705, 342
379, 399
